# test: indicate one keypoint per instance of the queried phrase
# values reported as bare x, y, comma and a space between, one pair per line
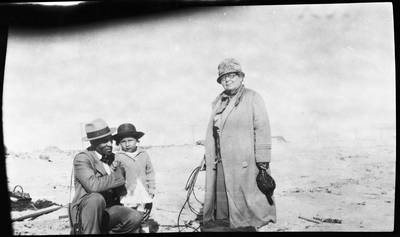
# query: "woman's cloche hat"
127, 130
97, 129
228, 65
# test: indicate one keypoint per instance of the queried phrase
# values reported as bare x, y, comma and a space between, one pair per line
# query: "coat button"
244, 164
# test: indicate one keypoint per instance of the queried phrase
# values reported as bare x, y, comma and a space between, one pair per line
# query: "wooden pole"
81, 135
37, 213
80, 125
308, 219
194, 142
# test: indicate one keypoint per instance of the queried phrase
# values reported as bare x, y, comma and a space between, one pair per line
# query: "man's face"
104, 145
128, 144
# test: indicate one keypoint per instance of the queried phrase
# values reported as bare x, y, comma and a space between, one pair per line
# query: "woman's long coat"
245, 139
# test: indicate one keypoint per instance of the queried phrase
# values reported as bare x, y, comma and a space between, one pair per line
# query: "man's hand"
118, 170
115, 164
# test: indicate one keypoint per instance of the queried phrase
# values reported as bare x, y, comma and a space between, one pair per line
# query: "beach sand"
352, 181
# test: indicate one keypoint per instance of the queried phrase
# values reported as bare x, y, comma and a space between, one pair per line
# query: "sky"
328, 68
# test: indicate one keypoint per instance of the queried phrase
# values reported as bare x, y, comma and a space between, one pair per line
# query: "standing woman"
237, 152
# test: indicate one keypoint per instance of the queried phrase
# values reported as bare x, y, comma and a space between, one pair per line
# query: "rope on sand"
190, 188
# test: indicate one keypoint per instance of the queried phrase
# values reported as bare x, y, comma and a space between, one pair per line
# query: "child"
140, 177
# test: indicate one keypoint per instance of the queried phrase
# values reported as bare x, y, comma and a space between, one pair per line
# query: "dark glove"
147, 210
265, 182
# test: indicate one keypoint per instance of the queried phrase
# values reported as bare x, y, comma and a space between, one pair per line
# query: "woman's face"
231, 82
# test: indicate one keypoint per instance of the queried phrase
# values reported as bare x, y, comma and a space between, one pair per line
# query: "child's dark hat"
127, 130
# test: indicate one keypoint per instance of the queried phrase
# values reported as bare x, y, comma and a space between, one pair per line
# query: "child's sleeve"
150, 176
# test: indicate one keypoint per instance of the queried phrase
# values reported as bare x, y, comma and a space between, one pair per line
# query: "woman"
237, 149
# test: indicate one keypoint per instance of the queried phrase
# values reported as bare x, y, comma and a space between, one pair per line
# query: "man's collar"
98, 155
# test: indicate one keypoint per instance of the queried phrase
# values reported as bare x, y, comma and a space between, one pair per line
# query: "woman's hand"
262, 165
203, 164
265, 182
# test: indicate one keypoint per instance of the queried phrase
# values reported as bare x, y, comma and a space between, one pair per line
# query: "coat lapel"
228, 111
234, 101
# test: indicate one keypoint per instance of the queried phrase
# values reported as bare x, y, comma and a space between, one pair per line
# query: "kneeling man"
96, 207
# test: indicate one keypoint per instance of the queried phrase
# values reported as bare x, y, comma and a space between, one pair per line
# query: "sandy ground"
353, 181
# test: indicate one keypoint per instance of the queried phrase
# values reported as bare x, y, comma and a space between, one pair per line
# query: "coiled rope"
190, 183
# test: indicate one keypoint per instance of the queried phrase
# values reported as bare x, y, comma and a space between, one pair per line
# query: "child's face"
128, 144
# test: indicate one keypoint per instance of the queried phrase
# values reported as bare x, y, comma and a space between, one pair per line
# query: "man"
96, 206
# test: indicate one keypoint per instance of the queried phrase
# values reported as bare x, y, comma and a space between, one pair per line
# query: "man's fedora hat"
127, 130
229, 65
97, 129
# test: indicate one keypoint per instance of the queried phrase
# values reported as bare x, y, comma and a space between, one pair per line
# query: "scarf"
225, 98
